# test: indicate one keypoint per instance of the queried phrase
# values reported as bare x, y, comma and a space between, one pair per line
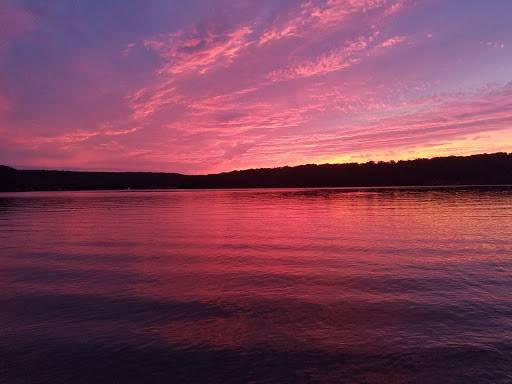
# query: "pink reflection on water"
283, 269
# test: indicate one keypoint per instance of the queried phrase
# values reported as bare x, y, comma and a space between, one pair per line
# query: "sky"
206, 86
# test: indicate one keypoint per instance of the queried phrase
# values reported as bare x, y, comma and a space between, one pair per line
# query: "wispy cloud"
493, 44
314, 16
351, 53
199, 52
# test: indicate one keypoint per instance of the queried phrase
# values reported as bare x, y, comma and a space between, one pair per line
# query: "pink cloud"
493, 44
333, 14
147, 101
114, 130
127, 49
196, 52
350, 54
392, 41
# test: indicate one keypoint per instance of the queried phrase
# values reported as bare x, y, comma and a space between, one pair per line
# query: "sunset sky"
215, 85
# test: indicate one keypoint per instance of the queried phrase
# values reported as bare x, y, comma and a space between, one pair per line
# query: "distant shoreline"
454, 171
394, 187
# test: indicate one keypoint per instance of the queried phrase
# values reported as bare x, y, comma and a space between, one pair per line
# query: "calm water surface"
356, 286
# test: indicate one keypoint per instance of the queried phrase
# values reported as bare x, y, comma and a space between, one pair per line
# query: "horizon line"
92, 170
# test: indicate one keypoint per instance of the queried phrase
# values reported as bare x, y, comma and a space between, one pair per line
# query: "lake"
390, 285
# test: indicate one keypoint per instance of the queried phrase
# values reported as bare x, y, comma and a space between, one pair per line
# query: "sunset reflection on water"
356, 285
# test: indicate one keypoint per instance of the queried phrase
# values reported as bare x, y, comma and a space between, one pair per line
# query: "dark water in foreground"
358, 286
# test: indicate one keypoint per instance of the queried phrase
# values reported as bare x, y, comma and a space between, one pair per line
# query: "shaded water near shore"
278, 285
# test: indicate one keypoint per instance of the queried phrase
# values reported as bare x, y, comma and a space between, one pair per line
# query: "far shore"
454, 171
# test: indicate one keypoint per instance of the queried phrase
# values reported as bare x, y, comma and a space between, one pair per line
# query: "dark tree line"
454, 170
29, 180
478, 169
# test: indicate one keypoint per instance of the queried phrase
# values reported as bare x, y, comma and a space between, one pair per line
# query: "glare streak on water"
279, 285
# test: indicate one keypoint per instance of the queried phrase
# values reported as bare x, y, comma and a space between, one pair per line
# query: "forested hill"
30, 180
454, 170
478, 169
